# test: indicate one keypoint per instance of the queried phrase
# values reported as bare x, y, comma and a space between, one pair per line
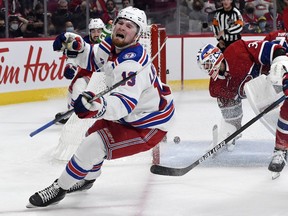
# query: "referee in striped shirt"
227, 24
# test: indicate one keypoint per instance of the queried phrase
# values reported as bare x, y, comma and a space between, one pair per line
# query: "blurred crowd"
258, 15
27, 18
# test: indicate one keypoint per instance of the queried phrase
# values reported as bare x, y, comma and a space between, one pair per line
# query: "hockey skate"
48, 196
81, 185
278, 162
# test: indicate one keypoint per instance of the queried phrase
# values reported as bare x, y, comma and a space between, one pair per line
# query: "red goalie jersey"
243, 61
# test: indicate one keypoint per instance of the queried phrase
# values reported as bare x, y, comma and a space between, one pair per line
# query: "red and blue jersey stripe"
153, 119
129, 102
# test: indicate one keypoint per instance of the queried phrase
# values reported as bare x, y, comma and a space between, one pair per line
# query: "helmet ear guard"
209, 58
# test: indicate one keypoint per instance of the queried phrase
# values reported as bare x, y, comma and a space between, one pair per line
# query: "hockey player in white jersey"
80, 77
131, 119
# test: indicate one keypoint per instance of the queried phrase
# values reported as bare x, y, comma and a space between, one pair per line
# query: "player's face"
124, 33
94, 34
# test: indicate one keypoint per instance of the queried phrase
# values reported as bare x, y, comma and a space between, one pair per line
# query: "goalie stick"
107, 90
170, 171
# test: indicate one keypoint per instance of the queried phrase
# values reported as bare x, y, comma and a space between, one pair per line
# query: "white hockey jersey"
143, 101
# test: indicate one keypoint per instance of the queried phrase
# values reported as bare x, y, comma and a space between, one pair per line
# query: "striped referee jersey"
229, 21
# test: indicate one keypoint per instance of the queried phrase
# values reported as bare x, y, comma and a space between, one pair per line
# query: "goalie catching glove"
85, 108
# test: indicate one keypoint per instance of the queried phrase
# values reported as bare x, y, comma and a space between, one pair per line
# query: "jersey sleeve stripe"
264, 57
129, 103
143, 57
106, 47
153, 119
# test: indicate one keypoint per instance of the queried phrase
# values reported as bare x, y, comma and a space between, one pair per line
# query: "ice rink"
234, 183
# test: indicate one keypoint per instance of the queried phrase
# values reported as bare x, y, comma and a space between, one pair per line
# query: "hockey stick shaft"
107, 90
170, 171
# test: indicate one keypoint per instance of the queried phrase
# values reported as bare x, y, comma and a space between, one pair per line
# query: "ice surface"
236, 183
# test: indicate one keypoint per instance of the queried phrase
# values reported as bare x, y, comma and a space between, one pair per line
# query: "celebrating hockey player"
132, 118
79, 76
230, 70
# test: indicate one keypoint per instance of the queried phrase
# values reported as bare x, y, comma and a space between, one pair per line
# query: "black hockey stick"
107, 90
170, 171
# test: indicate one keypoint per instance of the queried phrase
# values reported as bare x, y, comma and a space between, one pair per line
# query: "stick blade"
167, 171
275, 175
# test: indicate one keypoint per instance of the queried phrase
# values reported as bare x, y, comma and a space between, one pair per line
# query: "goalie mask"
209, 58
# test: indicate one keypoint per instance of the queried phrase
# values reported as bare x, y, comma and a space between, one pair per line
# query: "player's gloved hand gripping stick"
99, 95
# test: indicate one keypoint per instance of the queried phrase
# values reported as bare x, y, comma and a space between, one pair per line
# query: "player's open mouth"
120, 35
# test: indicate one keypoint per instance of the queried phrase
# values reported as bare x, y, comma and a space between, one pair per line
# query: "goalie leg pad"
231, 110
232, 114
260, 94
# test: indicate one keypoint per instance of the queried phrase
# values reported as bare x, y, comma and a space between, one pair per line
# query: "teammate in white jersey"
80, 77
132, 118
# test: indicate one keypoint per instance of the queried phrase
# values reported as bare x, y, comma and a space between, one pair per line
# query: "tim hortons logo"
34, 70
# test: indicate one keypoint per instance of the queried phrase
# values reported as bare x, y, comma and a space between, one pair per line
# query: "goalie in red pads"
132, 118
230, 70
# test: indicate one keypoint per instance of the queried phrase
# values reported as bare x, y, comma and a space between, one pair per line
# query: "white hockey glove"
69, 41
85, 108
277, 71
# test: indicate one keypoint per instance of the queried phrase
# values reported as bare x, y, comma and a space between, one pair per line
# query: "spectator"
111, 11
39, 18
262, 25
211, 14
31, 30
197, 17
26, 7
99, 7
227, 24
74, 4
270, 17
79, 18
250, 19
69, 27
61, 16
17, 26
126, 3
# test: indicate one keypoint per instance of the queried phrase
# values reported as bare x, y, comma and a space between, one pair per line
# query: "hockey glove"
85, 108
70, 41
69, 71
58, 44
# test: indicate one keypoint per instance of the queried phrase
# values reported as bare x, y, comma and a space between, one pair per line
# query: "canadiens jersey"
243, 60
279, 37
143, 101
